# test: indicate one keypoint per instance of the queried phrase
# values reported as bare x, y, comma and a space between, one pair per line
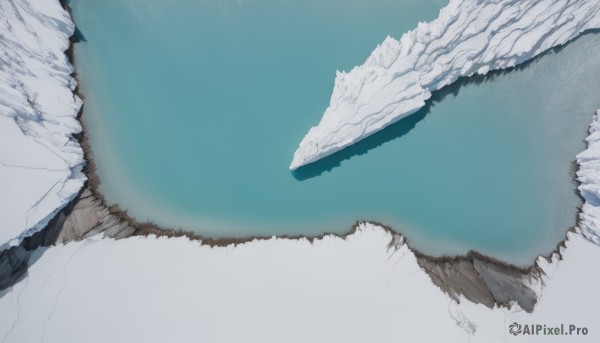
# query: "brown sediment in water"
474, 276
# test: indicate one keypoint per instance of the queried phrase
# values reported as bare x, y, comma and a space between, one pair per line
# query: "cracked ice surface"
468, 37
40, 161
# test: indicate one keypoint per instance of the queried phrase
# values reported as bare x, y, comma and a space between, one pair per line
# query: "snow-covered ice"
468, 37
589, 176
277, 290
40, 161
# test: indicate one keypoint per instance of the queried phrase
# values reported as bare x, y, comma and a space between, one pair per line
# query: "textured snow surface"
40, 162
589, 176
468, 37
278, 290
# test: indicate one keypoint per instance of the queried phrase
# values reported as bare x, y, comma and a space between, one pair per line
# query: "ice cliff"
40, 161
468, 37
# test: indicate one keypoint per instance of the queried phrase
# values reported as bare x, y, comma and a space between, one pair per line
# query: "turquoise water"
195, 109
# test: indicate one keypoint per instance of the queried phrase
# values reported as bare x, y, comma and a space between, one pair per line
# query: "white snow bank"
589, 176
40, 162
278, 290
468, 37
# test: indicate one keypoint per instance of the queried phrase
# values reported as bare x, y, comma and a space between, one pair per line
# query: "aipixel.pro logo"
516, 329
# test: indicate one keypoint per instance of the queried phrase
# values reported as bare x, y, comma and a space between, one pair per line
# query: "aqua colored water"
195, 109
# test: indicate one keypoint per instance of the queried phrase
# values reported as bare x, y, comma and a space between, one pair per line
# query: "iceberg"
469, 37
40, 159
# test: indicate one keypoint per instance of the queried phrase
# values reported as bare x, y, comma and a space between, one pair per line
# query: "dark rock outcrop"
481, 280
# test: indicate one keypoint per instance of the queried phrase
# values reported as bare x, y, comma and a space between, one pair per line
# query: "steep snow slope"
40, 162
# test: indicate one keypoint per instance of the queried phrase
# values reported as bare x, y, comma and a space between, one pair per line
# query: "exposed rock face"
480, 281
506, 284
85, 217
91, 217
458, 277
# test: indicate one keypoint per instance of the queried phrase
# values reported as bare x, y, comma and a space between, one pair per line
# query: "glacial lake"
195, 109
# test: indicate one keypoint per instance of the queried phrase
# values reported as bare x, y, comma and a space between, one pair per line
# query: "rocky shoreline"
474, 276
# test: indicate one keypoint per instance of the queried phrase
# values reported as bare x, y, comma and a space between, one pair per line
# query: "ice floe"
468, 37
